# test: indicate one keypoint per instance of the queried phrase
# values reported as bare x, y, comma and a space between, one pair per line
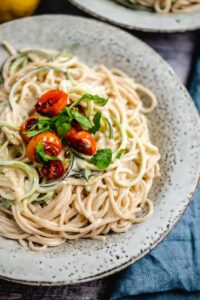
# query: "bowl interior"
174, 128
139, 19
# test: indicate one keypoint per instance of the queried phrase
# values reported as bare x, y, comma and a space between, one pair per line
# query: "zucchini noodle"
163, 6
87, 202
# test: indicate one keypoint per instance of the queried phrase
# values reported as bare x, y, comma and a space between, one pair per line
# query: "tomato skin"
26, 125
70, 135
51, 103
52, 169
76, 125
51, 142
82, 141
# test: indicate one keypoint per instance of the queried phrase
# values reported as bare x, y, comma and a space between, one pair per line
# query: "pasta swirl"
46, 214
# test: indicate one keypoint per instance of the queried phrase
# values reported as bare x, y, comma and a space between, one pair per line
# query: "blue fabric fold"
194, 88
172, 270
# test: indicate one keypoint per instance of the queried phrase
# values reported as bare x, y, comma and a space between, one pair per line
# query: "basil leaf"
97, 99
96, 121
62, 119
66, 113
43, 124
32, 133
120, 153
63, 129
81, 119
62, 123
102, 159
43, 121
38, 125
42, 156
72, 114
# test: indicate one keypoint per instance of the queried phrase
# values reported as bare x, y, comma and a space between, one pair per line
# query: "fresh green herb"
62, 122
178, 20
81, 119
102, 159
120, 153
43, 124
42, 121
75, 115
42, 156
60, 119
63, 129
33, 133
95, 98
96, 122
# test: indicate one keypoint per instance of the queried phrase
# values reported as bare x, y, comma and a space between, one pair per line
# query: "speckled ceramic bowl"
174, 128
123, 16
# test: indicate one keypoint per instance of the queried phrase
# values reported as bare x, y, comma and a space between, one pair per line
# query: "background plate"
120, 15
175, 130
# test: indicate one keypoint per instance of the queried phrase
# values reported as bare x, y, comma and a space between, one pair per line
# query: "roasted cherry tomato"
26, 125
51, 142
70, 135
52, 169
82, 141
51, 103
76, 125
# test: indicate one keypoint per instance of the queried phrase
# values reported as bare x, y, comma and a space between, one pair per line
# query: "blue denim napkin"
172, 270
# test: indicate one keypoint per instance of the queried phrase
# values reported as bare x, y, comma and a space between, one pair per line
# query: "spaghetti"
163, 6
87, 202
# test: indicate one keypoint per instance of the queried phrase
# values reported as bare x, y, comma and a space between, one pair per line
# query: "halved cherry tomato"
51, 142
76, 125
52, 169
70, 135
26, 125
82, 141
51, 103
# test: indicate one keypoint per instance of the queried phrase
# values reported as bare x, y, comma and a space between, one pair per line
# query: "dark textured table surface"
179, 50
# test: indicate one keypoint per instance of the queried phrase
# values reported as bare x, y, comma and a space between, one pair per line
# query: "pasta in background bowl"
171, 16
167, 6
173, 128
